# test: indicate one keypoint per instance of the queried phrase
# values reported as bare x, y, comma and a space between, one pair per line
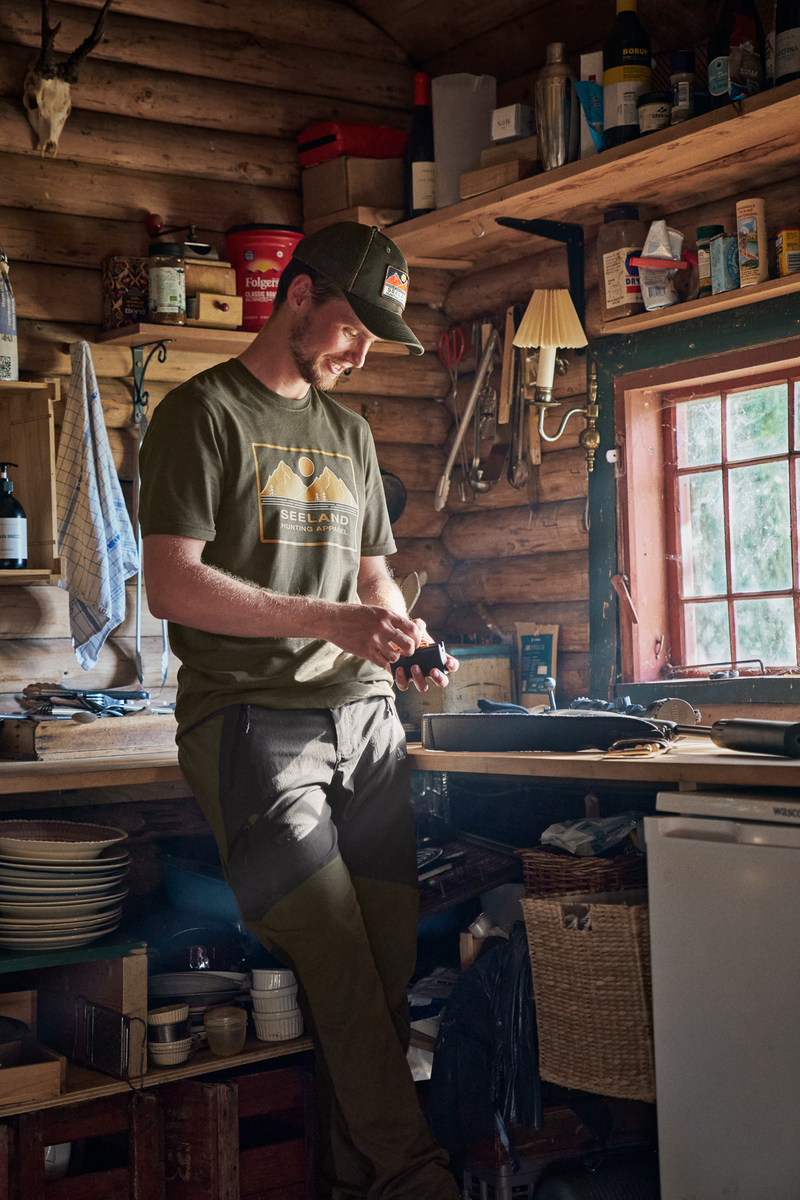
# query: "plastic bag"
590, 836
486, 1059
658, 290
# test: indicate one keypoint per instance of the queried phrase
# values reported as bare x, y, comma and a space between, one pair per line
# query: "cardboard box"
350, 182
488, 179
513, 121
591, 69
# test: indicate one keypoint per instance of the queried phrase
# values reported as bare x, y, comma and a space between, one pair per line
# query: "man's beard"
306, 359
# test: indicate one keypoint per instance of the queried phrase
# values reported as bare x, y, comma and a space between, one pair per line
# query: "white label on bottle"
423, 184
787, 53
620, 97
718, 76
167, 290
13, 537
620, 278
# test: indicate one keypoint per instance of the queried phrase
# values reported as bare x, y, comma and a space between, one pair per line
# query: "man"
265, 530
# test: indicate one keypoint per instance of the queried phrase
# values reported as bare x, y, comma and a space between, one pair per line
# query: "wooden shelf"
27, 436
86, 1084
705, 305
201, 341
715, 155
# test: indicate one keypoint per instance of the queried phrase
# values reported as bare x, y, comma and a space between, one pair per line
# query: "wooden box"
216, 311
40, 1075
210, 1153
210, 275
32, 740
27, 437
349, 182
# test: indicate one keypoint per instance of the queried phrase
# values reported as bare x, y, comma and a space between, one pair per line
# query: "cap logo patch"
395, 286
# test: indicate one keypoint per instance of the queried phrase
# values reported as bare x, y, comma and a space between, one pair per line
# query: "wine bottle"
787, 41
13, 526
626, 75
419, 164
735, 53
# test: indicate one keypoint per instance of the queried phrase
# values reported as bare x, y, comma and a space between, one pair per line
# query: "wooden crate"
208, 1127
40, 1075
27, 435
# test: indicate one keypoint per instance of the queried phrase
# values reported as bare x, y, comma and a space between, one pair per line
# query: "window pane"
702, 536
758, 422
698, 425
761, 546
707, 633
765, 630
797, 416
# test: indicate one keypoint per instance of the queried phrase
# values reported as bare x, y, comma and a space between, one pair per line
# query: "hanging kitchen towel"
95, 537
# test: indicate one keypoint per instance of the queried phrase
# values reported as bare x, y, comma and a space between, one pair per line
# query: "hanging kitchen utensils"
443, 488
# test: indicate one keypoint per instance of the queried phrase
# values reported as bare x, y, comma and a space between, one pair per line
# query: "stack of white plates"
199, 989
60, 883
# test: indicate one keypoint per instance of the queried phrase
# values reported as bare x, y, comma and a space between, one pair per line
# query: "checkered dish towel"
95, 537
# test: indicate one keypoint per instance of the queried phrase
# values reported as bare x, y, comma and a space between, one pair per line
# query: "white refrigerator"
724, 881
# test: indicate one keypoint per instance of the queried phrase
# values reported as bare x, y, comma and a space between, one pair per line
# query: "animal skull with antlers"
46, 93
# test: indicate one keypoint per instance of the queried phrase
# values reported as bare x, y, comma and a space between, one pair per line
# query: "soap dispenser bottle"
13, 526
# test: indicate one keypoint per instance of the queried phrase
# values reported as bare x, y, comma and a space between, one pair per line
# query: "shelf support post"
140, 364
572, 236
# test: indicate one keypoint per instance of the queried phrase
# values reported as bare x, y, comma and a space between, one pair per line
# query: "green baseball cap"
371, 272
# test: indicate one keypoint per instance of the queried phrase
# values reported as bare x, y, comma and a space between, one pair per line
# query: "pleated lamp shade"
550, 321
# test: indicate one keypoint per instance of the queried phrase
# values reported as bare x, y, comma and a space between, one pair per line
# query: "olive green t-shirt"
286, 494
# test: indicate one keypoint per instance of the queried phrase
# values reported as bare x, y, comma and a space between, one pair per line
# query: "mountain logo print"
306, 497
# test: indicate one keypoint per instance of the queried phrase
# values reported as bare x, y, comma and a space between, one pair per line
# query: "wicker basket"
593, 996
547, 872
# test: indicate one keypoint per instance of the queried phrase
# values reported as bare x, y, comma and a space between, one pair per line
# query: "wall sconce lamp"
550, 322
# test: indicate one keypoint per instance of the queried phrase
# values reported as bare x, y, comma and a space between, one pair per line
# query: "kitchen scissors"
451, 351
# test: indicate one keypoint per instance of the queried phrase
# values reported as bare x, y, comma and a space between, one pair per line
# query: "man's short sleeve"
181, 465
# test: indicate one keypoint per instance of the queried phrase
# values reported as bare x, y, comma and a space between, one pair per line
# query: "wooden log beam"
131, 91
492, 290
571, 616
228, 55
43, 612
527, 579
402, 419
52, 660
320, 23
98, 139
421, 554
433, 606
59, 186
561, 475
419, 518
574, 677
418, 467
509, 532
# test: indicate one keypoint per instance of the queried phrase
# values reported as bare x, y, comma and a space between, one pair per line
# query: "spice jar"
704, 235
621, 238
681, 82
653, 109
167, 284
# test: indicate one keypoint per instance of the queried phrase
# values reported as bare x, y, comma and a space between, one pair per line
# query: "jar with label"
704, 235
621, 238
681, 82
167, 284
653, 109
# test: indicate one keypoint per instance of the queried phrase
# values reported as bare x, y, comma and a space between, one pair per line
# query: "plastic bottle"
13, 526
787, 41
167, 284
735, 53
419, 164
621, 238
627, 75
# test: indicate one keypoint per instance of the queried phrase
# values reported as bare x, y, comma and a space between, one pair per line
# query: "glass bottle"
13, 526
735, 53
627, 74
419, 165
167, 284
787, 41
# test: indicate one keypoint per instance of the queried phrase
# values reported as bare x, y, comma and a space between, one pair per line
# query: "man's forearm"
384, 592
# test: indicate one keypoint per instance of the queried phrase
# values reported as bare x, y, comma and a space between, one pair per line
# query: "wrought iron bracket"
572, 236
140, 364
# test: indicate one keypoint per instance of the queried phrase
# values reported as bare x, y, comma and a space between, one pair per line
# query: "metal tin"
125, 291
724, 251
787, 246
751, 226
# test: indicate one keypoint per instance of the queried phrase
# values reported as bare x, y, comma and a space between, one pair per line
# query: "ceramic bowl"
278, 1027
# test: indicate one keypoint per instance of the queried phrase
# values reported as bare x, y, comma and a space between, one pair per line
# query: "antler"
45, 65
68, 71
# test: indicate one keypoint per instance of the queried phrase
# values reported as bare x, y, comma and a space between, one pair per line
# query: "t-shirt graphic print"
306, 497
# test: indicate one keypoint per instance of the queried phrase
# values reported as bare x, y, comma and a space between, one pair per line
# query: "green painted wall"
765, 323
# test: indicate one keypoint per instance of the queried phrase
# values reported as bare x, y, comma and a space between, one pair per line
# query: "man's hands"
372, 632
438, 678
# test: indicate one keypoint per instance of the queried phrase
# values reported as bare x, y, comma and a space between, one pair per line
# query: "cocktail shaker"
557, 110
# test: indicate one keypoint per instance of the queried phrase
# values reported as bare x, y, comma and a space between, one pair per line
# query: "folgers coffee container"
125, 289
259, 253
751, 227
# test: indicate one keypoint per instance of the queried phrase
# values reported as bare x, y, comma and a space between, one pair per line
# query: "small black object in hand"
427, 658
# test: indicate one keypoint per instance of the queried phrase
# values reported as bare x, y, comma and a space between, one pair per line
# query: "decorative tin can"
787, 246
724, 251
125, 292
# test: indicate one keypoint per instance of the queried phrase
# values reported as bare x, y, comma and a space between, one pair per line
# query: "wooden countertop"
689, 761
53, 775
